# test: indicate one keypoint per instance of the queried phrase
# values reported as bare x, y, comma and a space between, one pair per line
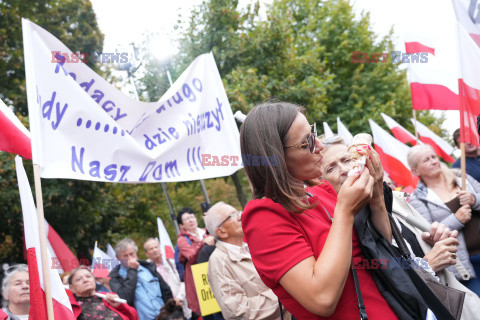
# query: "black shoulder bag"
445, 302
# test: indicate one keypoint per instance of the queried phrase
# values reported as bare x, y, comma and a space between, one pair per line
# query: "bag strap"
281, 309
397, 235
188, 239
432, 301
361, 305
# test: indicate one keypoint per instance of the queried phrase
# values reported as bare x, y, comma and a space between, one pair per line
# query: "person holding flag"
87, 305
439, 197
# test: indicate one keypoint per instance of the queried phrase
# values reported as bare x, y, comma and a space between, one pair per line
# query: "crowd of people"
322, 238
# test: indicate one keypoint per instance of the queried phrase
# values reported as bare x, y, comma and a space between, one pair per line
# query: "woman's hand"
375, 166
443, 254
438, 231
464, 214
355, 192
110, 297
466, 198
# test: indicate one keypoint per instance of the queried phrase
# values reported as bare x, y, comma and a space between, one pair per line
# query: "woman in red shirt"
298, 251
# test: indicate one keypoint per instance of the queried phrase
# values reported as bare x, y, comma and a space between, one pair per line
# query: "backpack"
179, 265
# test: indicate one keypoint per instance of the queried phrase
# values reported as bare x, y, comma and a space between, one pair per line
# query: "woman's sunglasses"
311, 143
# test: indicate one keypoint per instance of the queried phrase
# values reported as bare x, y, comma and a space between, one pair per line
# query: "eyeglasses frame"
313, 136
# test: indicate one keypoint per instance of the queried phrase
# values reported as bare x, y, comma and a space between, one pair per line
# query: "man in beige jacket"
235, 283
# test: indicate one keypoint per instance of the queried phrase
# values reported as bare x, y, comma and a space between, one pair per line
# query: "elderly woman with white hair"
16, 293
439, 196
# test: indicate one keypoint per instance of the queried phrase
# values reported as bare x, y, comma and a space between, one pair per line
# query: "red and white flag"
442, 148
433, 83
451, 78
327, 131
393, 155
61, 304
166, 246
469, 86
398, 131
63, 257
343, 132
102, 263
468, 14
14, 137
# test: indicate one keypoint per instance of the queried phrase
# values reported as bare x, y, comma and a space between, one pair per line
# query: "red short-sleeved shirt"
278, 240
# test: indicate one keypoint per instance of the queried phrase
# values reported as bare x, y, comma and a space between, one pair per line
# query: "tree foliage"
73, 22
301, 52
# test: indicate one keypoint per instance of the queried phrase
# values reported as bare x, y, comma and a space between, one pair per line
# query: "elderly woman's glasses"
233, 215
311, 144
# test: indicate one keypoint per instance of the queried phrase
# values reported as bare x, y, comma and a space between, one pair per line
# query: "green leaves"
73, 22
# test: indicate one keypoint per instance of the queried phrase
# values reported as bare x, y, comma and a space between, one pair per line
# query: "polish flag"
38, 307
469, 86
102, 263
450, 79
14, 137
434, 83
393, 155
468, 14
166, 246
398, 131
327, 131
442, 148
343, 132
65, 260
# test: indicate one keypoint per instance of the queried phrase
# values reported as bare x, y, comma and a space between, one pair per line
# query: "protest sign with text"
84, 128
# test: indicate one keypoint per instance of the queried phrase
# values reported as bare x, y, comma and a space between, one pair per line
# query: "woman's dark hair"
170, 311
262, 140
181, 212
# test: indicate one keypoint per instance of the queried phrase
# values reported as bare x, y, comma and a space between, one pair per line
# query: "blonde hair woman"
439, 197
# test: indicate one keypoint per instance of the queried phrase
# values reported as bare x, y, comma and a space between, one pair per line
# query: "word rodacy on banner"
84, 128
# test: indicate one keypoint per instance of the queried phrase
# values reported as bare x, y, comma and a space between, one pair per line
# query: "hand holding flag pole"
104, 296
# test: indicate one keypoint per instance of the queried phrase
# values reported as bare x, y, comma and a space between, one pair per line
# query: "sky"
123, 23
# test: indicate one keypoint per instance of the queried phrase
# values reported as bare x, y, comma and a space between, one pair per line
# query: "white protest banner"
84, 128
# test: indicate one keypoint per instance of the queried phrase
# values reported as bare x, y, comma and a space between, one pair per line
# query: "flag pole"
43, 242
415, 123
463, 165
463, 161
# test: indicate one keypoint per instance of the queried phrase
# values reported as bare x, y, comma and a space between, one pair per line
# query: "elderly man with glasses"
236, 284
138, 281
